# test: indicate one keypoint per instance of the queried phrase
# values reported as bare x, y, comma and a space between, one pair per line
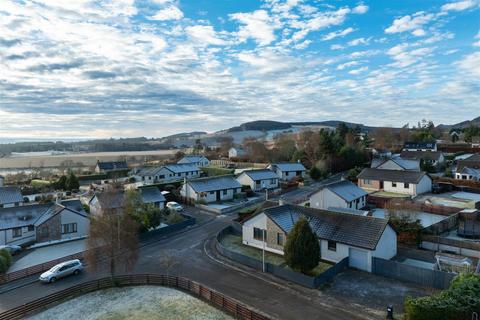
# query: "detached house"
211, 189
469, 168
10, 197
420, 146
341, 235
152, 195
195, 160
102, 167
259, 179
410, 183
171, 172
236, 152
288, 170
435, 158
43, 222
341, 194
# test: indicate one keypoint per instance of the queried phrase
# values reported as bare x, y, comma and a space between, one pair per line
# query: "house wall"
53, 229
6, 237
387, 245
374, 184
188, 192
424, 186
83, 224
399, 188
272, 235
325, 198
245, 180
334, 256
259, 221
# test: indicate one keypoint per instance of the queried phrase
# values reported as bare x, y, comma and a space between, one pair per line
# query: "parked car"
62, 270
174, 206
13, 249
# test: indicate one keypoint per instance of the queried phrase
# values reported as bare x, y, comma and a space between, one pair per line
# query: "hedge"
456, 303
5, 260
215, 171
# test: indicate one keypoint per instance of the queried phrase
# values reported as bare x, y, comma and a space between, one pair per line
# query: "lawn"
40, 183
234, 243
140, 303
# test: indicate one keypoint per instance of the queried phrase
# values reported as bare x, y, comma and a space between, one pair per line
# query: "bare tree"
168, 261
113, 238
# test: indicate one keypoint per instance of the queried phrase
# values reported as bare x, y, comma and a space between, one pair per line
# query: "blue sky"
88, 69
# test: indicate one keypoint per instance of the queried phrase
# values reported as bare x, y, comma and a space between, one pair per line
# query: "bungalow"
196, 160
288, 170
43, 222
468, 168
435, 158
341, 235
236, 153
107, 200
259, 179
171, 172
10, 197
403, 182
420, 146
102, 167
396, 164
211, 189
341, 194
152, 195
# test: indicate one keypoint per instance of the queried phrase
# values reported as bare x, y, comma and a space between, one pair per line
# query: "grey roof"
147, 171
54, 210
417, 155
10, 195
392, 175
354, 230
151, 195
472, 162
262, 174
110, 199
471, 171
407, 164
112, 165
289, 166
193, 158
21, 216
346, 190
214, 183
181, 168
73, 204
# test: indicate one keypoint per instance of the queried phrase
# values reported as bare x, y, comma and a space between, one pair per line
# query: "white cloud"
409, 23
404, 57
458, 6
360, 9
337, 34
347, 65
419, 32
358, 71
319, 21
471, 64
358, 41
169, 13
257, 25
204, 35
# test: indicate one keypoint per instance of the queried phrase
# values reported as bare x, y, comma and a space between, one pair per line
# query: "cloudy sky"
87, 69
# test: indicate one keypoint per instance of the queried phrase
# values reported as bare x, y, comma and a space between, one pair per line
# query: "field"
79, 159
139, 303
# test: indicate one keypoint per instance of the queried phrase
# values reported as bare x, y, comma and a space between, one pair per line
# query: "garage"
358, 259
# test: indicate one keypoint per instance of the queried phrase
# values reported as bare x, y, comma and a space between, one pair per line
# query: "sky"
124, 68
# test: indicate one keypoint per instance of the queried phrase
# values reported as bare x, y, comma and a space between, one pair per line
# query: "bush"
302, 250
174, 217
5, 261
456, 303
315, 173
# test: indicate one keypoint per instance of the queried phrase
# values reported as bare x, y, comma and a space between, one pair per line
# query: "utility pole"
263, 250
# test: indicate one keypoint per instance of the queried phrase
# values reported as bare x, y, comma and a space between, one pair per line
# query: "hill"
461, 125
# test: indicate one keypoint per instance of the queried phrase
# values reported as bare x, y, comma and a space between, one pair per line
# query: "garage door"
358, 259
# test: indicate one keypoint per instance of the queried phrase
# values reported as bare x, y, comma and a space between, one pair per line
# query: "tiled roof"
417, 155
147, 171
407, 164
21, 216
181, 168
391, 175
262, 174
471, 171
110, 199
10, 195
289, 166
472, 162
419, 145
192, 158
354, 230
151, 195
214, 183
346, 190
112, 165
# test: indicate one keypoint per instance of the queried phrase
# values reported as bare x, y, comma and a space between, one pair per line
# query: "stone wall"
53, 227
272, 231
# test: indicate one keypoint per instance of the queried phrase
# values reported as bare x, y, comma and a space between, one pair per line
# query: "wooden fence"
195, 289
238, 165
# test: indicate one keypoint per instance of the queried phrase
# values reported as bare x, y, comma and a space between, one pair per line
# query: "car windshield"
56, 268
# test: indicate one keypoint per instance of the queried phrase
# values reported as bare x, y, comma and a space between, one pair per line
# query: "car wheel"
53, 279
76, 272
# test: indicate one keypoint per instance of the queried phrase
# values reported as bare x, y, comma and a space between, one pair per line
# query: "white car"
13, 249
61, 270
174, 206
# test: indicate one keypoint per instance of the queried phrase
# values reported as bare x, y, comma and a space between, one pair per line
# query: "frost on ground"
141, 302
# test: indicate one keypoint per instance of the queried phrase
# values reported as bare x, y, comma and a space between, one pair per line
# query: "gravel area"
140, 303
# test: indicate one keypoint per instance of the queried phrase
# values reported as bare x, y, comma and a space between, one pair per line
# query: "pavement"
189, 253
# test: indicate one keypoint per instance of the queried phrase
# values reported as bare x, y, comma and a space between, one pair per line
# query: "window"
162, 176
259, 234
31, 228
394, 184
212, 192
225, 192
367, 181
69, 228
332, 246
273, 181
16, 232
406, 185
286, 173
280, 239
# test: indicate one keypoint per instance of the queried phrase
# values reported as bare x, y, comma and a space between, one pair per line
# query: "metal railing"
195, 289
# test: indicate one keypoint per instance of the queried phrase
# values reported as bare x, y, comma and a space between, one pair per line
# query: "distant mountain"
261, 125
461, 125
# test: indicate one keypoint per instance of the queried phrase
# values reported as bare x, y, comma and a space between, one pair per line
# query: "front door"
218, 195
381, 184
